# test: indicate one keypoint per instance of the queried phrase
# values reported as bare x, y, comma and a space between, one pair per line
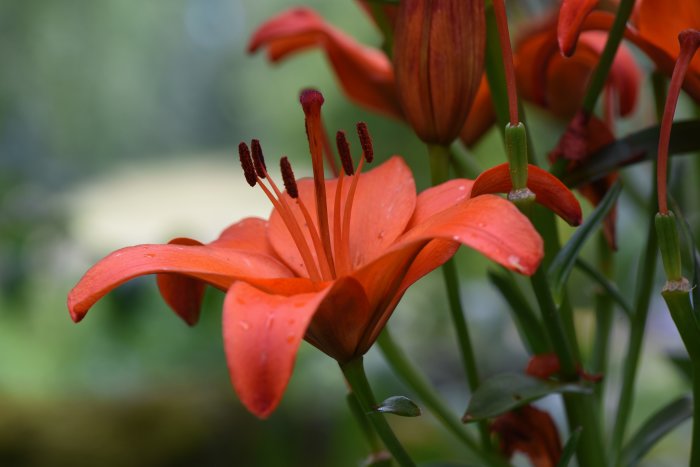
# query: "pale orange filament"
345, 243
294, 230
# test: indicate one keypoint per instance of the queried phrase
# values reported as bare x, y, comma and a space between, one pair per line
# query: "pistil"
311, 101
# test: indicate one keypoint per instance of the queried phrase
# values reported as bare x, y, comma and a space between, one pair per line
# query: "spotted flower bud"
438, 61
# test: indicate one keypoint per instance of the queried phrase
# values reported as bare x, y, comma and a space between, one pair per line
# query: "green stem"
439, 169
365, 426
603, 318
553, 325
600, 74
354, 372
421, 387
645, 283
678, 302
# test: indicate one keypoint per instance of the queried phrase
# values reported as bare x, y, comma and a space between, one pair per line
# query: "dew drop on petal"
244, 325
515, 262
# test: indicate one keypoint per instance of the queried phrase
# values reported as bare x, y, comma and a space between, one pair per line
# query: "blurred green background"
119, 121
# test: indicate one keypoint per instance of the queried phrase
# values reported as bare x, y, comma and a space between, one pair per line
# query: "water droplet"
290, 338
380, 235
481, 225
515, 262
455, 238
270, 320
244, 325
149, 255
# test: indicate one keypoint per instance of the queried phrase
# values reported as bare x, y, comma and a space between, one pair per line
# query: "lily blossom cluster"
330, 264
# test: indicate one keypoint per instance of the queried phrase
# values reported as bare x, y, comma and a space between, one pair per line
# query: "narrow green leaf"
606, 284
399, 405
524, 316
656, 427
634, 148
560, 268
508, 391
570, 448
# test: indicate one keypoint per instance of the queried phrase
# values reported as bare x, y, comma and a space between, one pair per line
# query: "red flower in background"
530, 431
333, 279
654, 28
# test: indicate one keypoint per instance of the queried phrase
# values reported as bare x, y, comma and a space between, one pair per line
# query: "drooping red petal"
365, 74
572, 14
184, 294
384, 202
549, 191
216, 266
262, 333
488, 224
532, 432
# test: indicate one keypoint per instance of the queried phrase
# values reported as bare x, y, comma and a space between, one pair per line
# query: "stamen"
293, 228
247, 164
326, 271
290, 184
311, 101
258, 158
341, 142
347, 214
365, 141
689, 41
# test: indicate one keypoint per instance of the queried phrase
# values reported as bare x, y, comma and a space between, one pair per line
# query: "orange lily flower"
333, 279
654, 28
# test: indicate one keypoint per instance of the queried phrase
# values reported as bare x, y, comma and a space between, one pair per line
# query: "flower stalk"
354, 372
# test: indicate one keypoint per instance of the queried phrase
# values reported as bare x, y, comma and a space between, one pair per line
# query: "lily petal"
549, 190
365, 74
439, 198
383, 204
489, 224
262, 333
572, 14
184, 294
216, 266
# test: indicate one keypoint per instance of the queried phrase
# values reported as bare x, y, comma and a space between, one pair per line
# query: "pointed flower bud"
438, 61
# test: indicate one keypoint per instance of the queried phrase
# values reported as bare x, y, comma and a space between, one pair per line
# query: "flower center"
331, 246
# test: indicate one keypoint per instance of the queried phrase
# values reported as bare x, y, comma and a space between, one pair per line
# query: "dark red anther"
290, 183
365, 141
344, 152
247, 164
258, 158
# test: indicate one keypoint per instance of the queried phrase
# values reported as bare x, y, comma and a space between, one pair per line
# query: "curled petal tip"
571, 17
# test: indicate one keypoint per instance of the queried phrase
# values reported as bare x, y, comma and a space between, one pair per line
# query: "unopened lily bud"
438, 62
